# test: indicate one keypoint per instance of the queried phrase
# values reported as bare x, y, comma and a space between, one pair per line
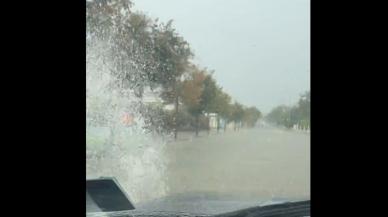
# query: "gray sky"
259, 49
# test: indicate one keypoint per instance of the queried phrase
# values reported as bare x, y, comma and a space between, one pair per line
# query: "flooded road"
258, 164
214, 173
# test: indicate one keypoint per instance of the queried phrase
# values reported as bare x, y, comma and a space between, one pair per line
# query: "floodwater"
233, 170
250, 163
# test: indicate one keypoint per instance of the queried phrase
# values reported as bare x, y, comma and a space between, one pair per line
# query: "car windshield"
199, 106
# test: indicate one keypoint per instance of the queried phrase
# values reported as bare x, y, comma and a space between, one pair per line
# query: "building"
213, 123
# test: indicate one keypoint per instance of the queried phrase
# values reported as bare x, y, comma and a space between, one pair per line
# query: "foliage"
146, 53
289, 116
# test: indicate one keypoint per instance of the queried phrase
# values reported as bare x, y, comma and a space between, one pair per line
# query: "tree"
105, 20
304, 106
251, 116
172, 53
192, 92
139, 53
237, 114
107, 17
208, 97
127, 40
222, 106
280, 115
209, 94
289, 116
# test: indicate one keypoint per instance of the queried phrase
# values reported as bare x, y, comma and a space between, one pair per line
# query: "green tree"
208, 97
172, 53
237, 114
146, 53
304, 108
209, 94
280, 115
251, 116
105, 18
289, 116
128, 42
222, 107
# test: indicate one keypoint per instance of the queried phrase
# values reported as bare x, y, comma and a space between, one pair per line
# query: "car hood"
205, 204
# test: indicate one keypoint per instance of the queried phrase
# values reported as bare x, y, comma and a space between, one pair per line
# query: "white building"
213, 124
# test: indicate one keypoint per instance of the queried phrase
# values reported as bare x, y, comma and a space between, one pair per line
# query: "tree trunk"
176, 117
196, 125
176, 111
218, 124
208, 125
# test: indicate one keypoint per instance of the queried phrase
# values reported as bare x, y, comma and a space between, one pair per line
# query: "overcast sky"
259, 49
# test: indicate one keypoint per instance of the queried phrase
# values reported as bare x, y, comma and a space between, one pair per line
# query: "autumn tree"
193, 87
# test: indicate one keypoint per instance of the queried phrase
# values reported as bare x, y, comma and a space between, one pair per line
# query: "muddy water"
254, 164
